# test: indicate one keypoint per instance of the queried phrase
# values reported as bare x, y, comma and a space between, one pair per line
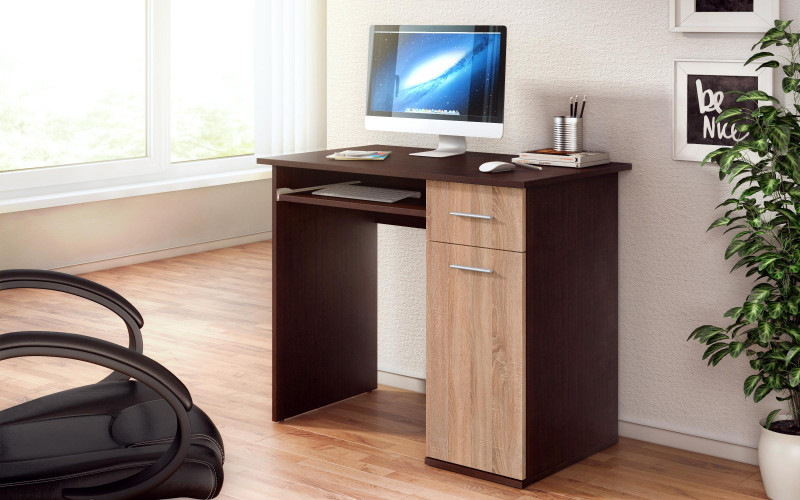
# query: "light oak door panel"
476, 215
475, 358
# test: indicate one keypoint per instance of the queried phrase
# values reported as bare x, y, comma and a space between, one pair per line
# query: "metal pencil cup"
568, 134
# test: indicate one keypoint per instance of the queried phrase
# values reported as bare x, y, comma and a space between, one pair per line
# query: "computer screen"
452, 73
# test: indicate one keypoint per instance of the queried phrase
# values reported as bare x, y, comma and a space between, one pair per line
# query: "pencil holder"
568, 134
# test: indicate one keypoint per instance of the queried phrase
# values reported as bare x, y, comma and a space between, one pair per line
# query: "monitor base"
449, 145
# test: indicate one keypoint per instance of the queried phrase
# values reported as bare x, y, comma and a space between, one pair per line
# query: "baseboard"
166, 253
689, 442
412, 384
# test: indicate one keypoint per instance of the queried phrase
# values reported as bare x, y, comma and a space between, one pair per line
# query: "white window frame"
56, 185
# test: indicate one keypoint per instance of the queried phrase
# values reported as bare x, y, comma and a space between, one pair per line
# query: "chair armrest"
81, 287
130, 363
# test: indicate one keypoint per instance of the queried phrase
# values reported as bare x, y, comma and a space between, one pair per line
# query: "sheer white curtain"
291, 65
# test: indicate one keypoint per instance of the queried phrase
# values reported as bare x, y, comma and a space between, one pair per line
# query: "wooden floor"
208, 319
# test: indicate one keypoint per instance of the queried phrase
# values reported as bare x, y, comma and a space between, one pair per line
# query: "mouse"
496, 166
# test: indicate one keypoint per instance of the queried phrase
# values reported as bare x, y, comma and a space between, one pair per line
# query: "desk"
521, 361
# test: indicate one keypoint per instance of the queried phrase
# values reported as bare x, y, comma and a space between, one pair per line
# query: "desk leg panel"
324, 343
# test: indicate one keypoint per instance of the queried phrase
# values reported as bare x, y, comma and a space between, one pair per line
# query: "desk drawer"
475, 412
476, 215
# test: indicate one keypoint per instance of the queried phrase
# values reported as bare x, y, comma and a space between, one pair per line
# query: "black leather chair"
113, 440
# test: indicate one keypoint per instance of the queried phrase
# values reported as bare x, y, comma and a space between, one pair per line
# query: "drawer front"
475, 413
471, 214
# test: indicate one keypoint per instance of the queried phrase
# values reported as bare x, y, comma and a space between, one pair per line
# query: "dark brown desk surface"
461, 168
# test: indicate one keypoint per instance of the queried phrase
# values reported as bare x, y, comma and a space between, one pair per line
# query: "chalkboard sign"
706, 98
701, 94
723, 5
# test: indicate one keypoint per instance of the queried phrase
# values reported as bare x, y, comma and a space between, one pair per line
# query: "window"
72, 92
212, 79
94, 91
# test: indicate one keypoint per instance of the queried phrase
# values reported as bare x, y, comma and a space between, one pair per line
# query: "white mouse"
496, 166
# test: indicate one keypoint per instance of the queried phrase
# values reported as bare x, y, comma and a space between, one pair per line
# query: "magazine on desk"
359, 155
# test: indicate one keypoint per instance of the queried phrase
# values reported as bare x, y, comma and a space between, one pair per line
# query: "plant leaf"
766, 260
752, 310
755, 95
703, 333
761, 392
750, 384
714, 348
759, 55
768, 64
717, 357
733, 312
760, 292
789, 84
794, 376
722, 221
712, 156
793, 332
771, 415
765, 331
791, 353
769, 183
734, 247
728, 113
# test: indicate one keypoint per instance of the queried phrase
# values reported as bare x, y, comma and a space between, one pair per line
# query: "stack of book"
351, 154
554, 158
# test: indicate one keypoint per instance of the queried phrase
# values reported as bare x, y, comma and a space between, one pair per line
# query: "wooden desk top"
461, 168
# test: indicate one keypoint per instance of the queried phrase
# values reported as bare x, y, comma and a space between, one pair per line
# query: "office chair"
113, 440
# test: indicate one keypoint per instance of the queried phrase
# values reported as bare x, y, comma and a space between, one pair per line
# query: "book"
553, 155
554, 162
359, 155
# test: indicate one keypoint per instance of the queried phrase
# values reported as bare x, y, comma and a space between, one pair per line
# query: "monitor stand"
449, 145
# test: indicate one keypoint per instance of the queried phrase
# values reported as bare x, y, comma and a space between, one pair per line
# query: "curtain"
291, 66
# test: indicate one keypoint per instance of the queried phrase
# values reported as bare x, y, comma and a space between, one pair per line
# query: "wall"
91, 236
672, 275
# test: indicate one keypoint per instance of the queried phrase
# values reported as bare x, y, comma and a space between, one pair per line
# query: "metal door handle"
472, 216
468, 268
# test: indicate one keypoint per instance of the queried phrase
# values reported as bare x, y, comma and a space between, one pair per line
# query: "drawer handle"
472, 216
476, 269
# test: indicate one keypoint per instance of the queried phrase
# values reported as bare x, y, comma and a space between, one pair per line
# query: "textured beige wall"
672, 275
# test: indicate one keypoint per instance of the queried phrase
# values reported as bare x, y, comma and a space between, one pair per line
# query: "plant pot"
779, 461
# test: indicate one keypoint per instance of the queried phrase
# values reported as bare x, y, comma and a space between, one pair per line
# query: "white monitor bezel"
438, 125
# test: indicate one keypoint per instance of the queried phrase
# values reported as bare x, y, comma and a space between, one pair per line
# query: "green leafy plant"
763, 215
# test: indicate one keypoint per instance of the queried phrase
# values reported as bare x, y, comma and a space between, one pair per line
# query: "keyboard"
356, 192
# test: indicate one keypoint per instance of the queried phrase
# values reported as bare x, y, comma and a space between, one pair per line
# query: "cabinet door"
476, 358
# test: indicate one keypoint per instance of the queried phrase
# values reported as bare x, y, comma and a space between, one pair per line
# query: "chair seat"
97, 434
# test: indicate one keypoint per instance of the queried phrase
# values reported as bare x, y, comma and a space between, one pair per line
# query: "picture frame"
697, 103
684, 15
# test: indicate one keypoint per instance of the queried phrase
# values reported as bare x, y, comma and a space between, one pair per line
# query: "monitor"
446, 80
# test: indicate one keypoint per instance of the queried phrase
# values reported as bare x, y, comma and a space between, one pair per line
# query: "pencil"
583, 106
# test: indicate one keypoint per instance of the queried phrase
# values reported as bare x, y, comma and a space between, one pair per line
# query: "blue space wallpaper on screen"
451, 74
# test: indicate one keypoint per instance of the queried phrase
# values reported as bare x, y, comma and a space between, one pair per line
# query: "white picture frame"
683, 16
682, 148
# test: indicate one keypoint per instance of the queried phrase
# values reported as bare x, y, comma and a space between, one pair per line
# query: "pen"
576, 107
583, 106
570, 106
527, 165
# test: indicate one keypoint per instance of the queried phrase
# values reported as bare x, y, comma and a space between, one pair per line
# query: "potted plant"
763, 217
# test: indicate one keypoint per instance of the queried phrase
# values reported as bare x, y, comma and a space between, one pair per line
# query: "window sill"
13, 202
